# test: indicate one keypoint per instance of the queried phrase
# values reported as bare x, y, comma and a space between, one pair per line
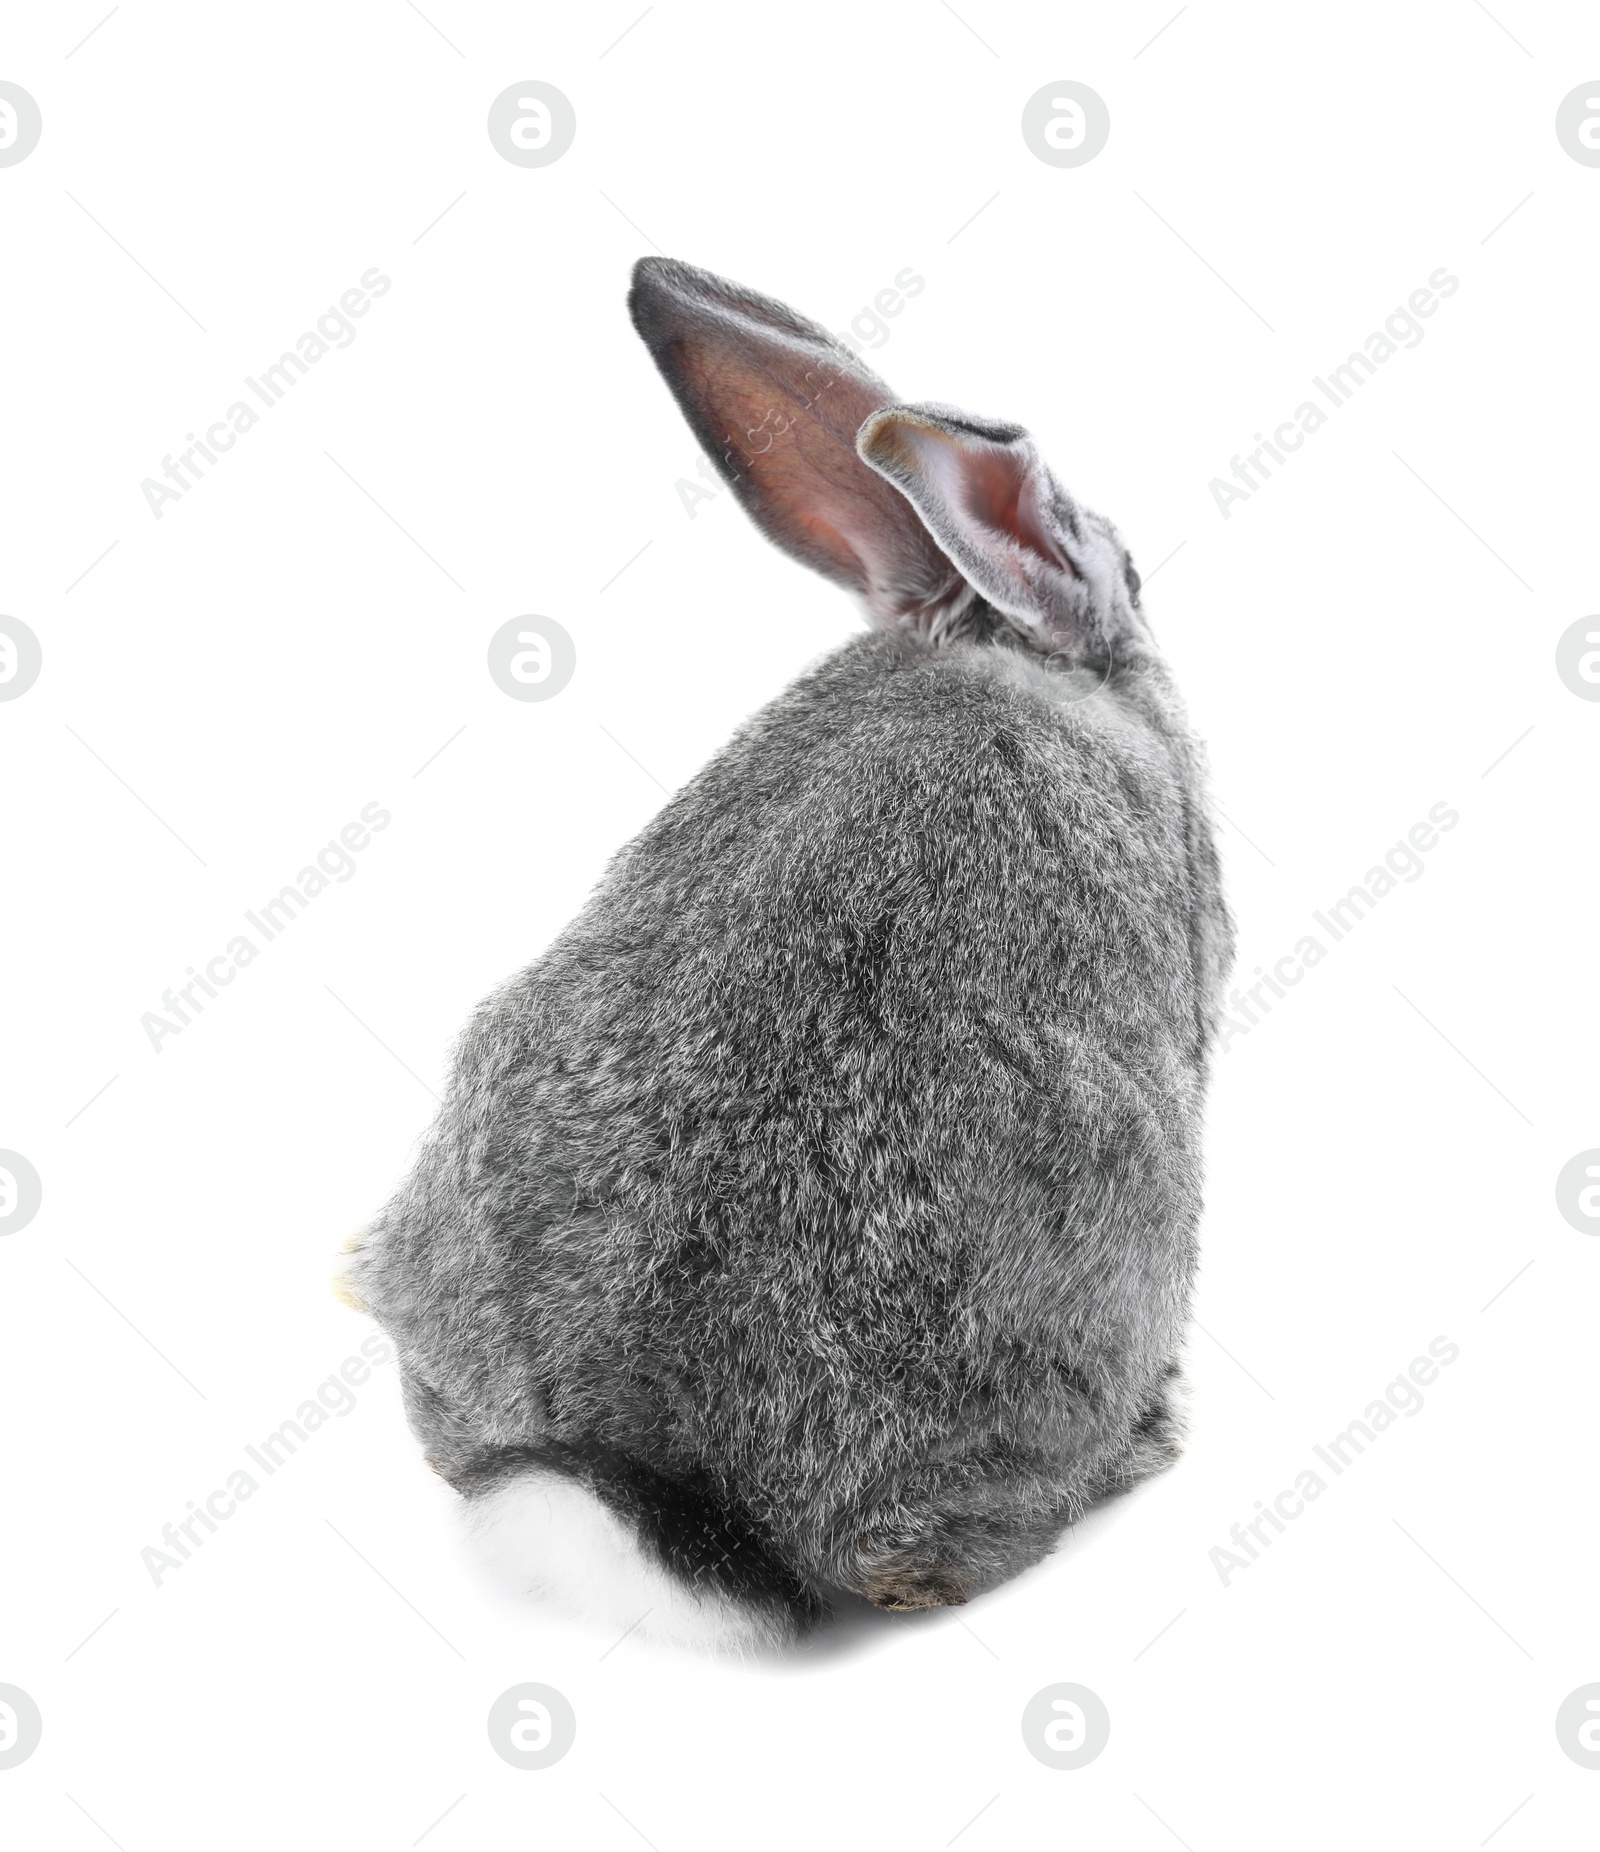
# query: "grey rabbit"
818, 1215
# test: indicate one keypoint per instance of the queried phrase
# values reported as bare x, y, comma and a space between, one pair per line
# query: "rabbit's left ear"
992, 505
776, 402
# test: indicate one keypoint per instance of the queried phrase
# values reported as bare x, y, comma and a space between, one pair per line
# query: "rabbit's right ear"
996, 510
776, 403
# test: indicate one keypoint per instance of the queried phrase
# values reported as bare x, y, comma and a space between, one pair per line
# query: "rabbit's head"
933, 518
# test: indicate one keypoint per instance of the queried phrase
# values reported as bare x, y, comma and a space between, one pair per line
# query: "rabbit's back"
843, 1148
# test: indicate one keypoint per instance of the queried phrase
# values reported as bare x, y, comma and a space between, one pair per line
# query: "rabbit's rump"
839, 1159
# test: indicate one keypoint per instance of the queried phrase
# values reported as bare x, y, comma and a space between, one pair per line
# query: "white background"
277, 651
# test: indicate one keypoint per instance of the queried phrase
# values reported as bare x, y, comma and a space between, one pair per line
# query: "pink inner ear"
994, 485
784, 424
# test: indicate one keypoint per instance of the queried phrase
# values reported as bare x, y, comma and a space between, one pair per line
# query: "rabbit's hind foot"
342, 1283
902, 1586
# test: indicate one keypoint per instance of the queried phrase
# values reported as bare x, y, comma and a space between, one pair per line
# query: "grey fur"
840, 1160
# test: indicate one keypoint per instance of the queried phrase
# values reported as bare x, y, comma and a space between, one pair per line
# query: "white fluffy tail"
543, 1532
